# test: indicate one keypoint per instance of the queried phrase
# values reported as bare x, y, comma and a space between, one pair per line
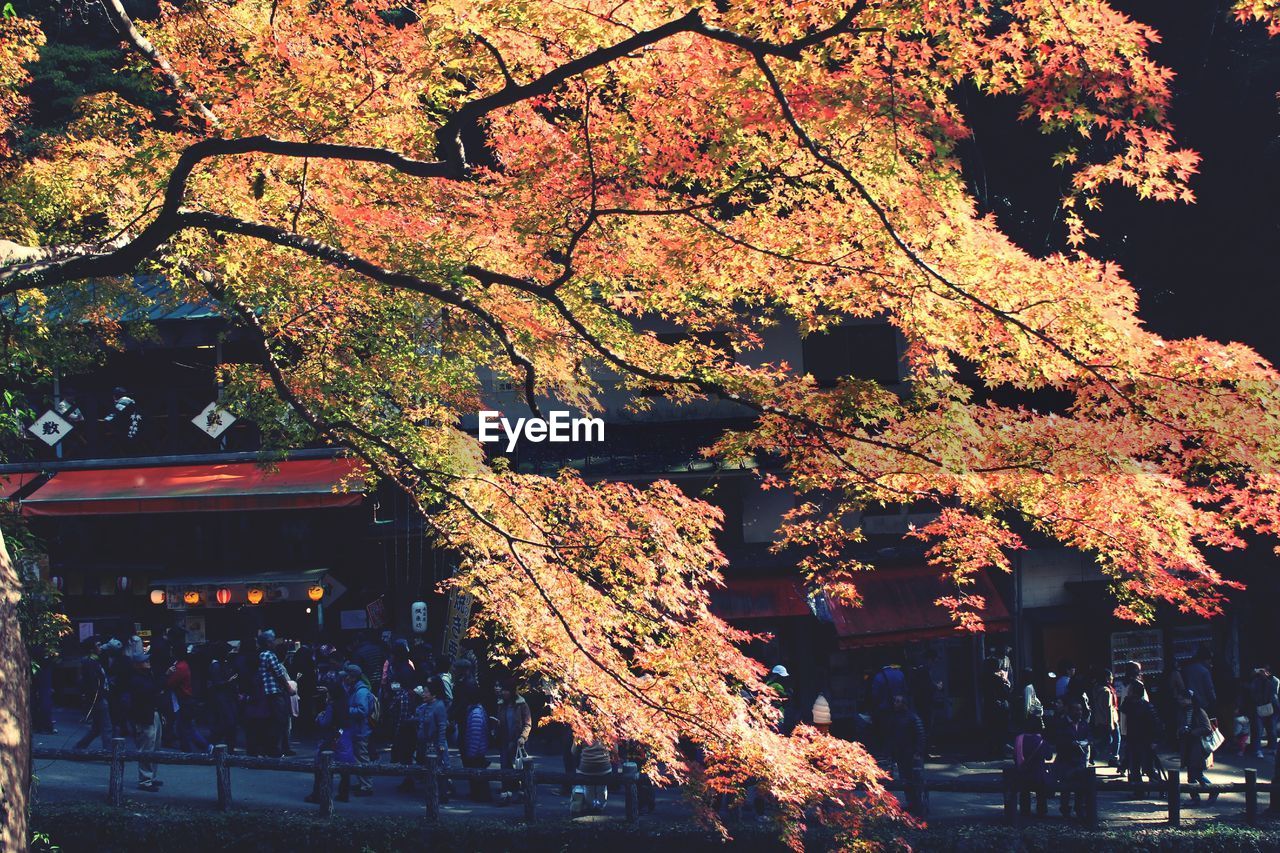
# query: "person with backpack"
473, 739
334, 736
363, 712
1072, 747
1032, 753
1264, 702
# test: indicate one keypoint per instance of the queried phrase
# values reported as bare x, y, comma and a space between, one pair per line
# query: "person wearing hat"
360, 713
276, 687
141, 701
779, 681
594, 760
93, 687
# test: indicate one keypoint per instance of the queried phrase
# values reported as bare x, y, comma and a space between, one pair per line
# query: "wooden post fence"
1090, 791
631, 789
115, 781
1273, 802
530, 792
223, 774
324, 782
1009, 785
432, 796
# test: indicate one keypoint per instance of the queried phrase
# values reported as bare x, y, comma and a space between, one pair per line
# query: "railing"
1015, 792
324, 767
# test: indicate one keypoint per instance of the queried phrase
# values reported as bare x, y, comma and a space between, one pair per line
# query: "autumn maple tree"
396, 199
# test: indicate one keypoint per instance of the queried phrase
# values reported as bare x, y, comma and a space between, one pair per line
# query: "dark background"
1207, 269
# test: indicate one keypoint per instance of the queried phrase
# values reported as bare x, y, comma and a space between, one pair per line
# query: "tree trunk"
15, 715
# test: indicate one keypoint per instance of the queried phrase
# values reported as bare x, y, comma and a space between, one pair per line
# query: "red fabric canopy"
304, 483
898, 606
10, 484
756, 598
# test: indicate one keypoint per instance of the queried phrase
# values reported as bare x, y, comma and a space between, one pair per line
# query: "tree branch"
116, 12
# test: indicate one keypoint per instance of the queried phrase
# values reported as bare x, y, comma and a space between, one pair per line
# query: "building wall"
1045, 573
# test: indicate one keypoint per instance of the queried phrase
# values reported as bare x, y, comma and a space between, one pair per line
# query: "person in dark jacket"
433, 730
1141, 734
370, 656
93, 689
1072, 744
907, 745
224, 683
473, 740
1263, 703
333, 736
1197, 756
515, 723
1199, 678
400, 709
140, 699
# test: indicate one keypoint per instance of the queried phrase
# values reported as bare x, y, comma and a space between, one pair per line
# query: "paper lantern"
122, 583
315, 592
223, 595
418, 614
157, 596
191, 597
255, 595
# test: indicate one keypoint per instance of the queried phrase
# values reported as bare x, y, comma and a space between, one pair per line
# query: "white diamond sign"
50, 428
214, 420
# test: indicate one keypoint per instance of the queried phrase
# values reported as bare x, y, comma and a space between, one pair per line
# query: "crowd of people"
378, 695
1057, 724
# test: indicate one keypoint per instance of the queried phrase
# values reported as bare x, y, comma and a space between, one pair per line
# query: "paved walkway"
61, 781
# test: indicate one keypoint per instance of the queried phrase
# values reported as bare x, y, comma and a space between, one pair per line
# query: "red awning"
11, 484
898, 606
756, 598
304, 483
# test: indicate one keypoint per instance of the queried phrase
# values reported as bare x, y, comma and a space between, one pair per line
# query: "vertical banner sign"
455, 623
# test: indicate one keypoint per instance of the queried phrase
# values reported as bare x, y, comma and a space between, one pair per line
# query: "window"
863, 352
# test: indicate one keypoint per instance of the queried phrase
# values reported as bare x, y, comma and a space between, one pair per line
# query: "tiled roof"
156, 302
